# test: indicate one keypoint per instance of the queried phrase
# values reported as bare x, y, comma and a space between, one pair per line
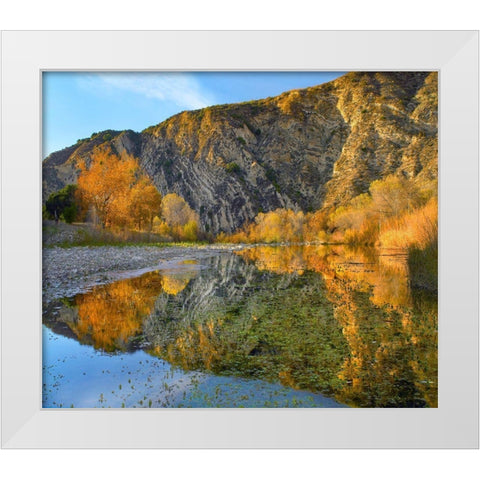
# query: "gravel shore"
68, 271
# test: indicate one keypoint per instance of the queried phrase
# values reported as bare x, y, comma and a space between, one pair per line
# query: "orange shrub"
418, 228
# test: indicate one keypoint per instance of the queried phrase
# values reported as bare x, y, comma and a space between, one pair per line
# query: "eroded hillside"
304, 149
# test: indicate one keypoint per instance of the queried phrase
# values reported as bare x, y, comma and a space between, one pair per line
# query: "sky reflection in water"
304, 326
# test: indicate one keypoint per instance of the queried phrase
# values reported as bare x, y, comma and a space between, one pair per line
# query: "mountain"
305, 149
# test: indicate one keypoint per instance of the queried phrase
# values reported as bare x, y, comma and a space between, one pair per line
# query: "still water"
290, 326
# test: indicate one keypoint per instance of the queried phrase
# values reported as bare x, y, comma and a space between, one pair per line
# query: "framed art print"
205, 243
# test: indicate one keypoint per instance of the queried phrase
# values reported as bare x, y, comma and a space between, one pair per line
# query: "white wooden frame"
454, 424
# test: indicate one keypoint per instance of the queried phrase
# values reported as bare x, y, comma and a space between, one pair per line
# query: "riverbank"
68, 271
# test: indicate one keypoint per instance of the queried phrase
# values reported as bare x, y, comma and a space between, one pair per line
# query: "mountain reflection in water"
329, 320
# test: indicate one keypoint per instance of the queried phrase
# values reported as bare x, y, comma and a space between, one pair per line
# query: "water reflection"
386, 273
110, 317
391, 331
324, 319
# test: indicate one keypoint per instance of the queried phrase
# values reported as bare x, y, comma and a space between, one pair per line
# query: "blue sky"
76, 104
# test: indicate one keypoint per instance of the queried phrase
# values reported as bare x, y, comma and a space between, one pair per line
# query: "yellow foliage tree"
394, 195
145, 203
105, 185
316, 224
281, 225
180, 218
113, 186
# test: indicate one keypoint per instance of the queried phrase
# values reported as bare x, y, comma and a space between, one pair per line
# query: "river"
266, 326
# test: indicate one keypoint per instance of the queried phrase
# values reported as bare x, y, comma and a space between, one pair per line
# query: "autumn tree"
268, 227
293, 223
145, 203
315, 227
394, 195
180, 218
354, 214
281, 225
105, 185
117, 191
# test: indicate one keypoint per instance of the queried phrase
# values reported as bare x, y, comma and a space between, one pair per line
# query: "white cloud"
180, 88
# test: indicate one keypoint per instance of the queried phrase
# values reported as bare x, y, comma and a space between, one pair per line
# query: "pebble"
68, 271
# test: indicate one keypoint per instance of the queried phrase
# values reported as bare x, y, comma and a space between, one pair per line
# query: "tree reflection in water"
110, 316
325, 319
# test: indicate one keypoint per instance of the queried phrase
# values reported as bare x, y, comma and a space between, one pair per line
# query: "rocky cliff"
304, 149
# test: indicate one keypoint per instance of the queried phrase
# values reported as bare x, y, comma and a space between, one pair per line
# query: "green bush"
232, 168
61, 204
70, 213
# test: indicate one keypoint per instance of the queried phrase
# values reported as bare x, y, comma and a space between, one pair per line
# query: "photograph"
239, 239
